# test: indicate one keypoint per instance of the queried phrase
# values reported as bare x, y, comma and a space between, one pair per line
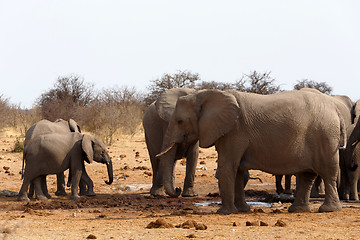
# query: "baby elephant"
54, 153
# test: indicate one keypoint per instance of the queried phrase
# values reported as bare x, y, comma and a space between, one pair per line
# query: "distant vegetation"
118, 111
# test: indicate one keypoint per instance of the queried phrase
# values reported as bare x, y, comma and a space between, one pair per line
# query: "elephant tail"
23, 165
343, 137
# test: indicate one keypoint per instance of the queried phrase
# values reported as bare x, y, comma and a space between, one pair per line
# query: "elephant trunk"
167, 165
110, 172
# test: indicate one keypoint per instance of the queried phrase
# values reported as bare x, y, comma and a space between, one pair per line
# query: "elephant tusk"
164, 152
356, 142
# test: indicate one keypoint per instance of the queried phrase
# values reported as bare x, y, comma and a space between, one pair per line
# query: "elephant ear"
219, 112
87, 147
73, 126
165, 104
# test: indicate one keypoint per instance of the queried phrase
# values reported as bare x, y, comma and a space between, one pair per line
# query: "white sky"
130, 42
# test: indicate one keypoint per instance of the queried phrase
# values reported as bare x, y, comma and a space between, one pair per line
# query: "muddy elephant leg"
240, 203
301, 203
44, 186
279, 188
60, 179
191, 162
288, 184
86, 184
38, 188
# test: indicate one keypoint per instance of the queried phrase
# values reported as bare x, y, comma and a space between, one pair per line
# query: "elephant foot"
243, 207
189, 192
74, 197
288, 192
333, 207
60, 193
299, 208
23, 198
30, 195
90, 193
156, 191
48, 195
226, 211
41, 197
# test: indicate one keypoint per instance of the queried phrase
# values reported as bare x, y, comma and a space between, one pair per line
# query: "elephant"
59, 126
53, 153
346, 108
291, 132
352, 155
352, 160
155, 123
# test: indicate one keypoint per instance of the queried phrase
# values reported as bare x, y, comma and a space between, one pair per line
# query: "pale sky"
129, 43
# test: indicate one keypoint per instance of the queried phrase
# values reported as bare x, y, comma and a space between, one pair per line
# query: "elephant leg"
191, 162
354, 189
315, 187
301, 203
60, 179
86, 184
240, 203
157, 188
23, 195
332, 201
279, 188
38, 189
44, 187
228, 166
31, 190
288, 184
76, 166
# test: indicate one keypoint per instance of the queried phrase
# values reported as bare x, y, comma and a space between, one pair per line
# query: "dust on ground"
126, 210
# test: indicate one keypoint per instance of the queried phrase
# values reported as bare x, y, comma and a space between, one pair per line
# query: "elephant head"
205, 117
95, 150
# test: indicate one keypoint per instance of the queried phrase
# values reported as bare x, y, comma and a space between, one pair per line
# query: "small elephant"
59, 126
155, 123
53, 153
292, 132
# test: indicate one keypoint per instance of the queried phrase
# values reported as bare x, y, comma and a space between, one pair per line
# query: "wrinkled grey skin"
352, 155
53, 153
58, 126
155, 123
346, 109
292, 132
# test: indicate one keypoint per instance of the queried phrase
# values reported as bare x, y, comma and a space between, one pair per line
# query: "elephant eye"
180, 122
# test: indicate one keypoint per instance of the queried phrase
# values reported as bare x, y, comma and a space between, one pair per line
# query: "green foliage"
321, 86
19, 145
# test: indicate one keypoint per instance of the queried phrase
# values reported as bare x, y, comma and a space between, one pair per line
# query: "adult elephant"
284, 133
346, 108
53, 153
59, 126
155, 122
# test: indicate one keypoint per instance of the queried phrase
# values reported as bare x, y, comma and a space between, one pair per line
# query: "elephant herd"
303, 132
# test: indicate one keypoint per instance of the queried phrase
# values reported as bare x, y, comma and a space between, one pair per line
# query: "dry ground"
124, 209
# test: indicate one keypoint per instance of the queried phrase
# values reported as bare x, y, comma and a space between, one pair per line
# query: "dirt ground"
125, 209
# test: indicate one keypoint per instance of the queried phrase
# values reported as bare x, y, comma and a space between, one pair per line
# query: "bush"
19, 145
321, 86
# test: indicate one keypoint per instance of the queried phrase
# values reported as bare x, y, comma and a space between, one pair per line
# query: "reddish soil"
125, 209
